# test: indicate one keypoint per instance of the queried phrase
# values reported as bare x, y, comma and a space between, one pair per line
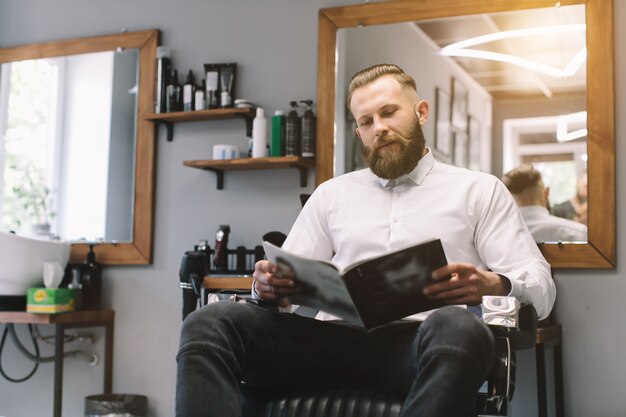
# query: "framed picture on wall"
475, 140
443, 131
459, 105
461, 149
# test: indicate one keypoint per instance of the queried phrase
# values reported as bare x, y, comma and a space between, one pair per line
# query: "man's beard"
395, 163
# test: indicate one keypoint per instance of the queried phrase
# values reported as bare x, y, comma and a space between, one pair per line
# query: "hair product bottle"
278, 133
163, 74
228, 73
199, 100
173, 94
188, 92
259, 134
212, 72
293, 131
91, 280
308, 130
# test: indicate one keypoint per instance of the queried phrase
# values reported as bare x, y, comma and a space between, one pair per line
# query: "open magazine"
369, 293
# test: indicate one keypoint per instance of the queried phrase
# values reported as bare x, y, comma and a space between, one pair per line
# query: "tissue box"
50, 300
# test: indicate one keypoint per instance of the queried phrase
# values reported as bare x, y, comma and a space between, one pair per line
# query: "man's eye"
388, 113
366, 123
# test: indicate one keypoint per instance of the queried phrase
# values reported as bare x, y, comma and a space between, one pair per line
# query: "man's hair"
368, 75
522, 178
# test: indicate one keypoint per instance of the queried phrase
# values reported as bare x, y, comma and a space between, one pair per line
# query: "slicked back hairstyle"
369, 75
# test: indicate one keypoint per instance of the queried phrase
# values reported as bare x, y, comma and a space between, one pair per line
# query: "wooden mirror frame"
139, 250
599, 251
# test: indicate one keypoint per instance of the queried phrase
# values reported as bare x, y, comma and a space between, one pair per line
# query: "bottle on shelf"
91, 280
308, 130
163, 74
293, 131
188, 92
173, 94
259, 134
278, 133
199, 102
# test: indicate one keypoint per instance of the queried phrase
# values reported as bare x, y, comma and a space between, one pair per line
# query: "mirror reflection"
517, 97
67, 143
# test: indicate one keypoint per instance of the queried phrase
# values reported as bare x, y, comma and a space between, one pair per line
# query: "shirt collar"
416, 176
539, 210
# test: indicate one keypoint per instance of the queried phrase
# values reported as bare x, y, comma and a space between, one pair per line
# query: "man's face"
389, 119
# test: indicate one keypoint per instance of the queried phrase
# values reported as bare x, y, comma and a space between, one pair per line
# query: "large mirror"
349, 37
77, 155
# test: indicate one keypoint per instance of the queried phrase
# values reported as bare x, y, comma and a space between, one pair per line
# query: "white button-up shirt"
359, 215
547, 228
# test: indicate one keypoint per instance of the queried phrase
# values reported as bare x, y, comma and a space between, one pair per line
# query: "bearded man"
437, 360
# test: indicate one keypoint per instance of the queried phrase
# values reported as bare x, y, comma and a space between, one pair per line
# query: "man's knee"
456, 327
203, 322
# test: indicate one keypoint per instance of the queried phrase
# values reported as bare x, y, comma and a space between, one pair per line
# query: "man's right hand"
270, 284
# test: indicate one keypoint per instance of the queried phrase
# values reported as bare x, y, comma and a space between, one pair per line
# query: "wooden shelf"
245, 164
168, 119
237, 282
73, 317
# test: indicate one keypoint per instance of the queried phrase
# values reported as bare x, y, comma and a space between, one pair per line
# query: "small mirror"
78, 155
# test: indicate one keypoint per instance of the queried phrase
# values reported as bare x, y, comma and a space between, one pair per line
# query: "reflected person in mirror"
403, 198
576, 207
531, 195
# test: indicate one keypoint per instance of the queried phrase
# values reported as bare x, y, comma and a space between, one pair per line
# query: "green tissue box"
50, 300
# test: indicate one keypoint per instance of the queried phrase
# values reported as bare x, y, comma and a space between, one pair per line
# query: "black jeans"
437, 365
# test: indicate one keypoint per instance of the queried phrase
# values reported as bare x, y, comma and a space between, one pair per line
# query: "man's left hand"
467, 285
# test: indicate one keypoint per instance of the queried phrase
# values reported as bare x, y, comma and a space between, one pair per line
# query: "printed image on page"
320, 285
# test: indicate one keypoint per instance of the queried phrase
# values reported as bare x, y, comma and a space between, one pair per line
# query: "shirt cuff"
255, 295
253, 292
510, 286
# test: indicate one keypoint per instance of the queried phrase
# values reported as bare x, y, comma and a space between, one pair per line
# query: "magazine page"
321, 285
390, 287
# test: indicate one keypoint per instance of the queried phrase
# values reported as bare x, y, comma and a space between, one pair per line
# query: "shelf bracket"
220, 177
170, 129
249, 120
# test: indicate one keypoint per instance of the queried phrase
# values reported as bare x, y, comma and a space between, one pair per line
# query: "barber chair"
492, 400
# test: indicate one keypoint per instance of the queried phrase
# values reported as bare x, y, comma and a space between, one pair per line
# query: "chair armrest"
522, 336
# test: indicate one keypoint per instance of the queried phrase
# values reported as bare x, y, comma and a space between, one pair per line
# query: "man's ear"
358, 133
421, 111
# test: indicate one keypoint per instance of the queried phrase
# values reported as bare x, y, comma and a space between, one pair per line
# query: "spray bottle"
293, 131
308, 130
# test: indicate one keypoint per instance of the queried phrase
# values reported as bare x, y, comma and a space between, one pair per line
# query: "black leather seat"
336, 403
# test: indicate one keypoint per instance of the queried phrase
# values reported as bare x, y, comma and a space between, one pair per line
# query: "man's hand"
270, 284
467, 285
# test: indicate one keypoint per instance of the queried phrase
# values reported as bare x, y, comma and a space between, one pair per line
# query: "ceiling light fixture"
460, 49
562, 126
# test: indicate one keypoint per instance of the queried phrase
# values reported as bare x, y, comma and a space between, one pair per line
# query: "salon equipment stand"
62, 321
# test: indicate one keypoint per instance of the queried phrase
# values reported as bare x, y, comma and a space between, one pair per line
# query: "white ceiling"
504, 80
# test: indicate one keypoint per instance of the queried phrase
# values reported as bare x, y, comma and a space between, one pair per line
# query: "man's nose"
380, 127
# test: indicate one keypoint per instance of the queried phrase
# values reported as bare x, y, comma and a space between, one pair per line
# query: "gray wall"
275, 44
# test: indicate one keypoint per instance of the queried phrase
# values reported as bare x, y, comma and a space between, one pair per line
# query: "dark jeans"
438, 364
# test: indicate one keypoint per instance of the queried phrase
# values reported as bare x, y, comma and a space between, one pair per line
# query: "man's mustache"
386, 140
